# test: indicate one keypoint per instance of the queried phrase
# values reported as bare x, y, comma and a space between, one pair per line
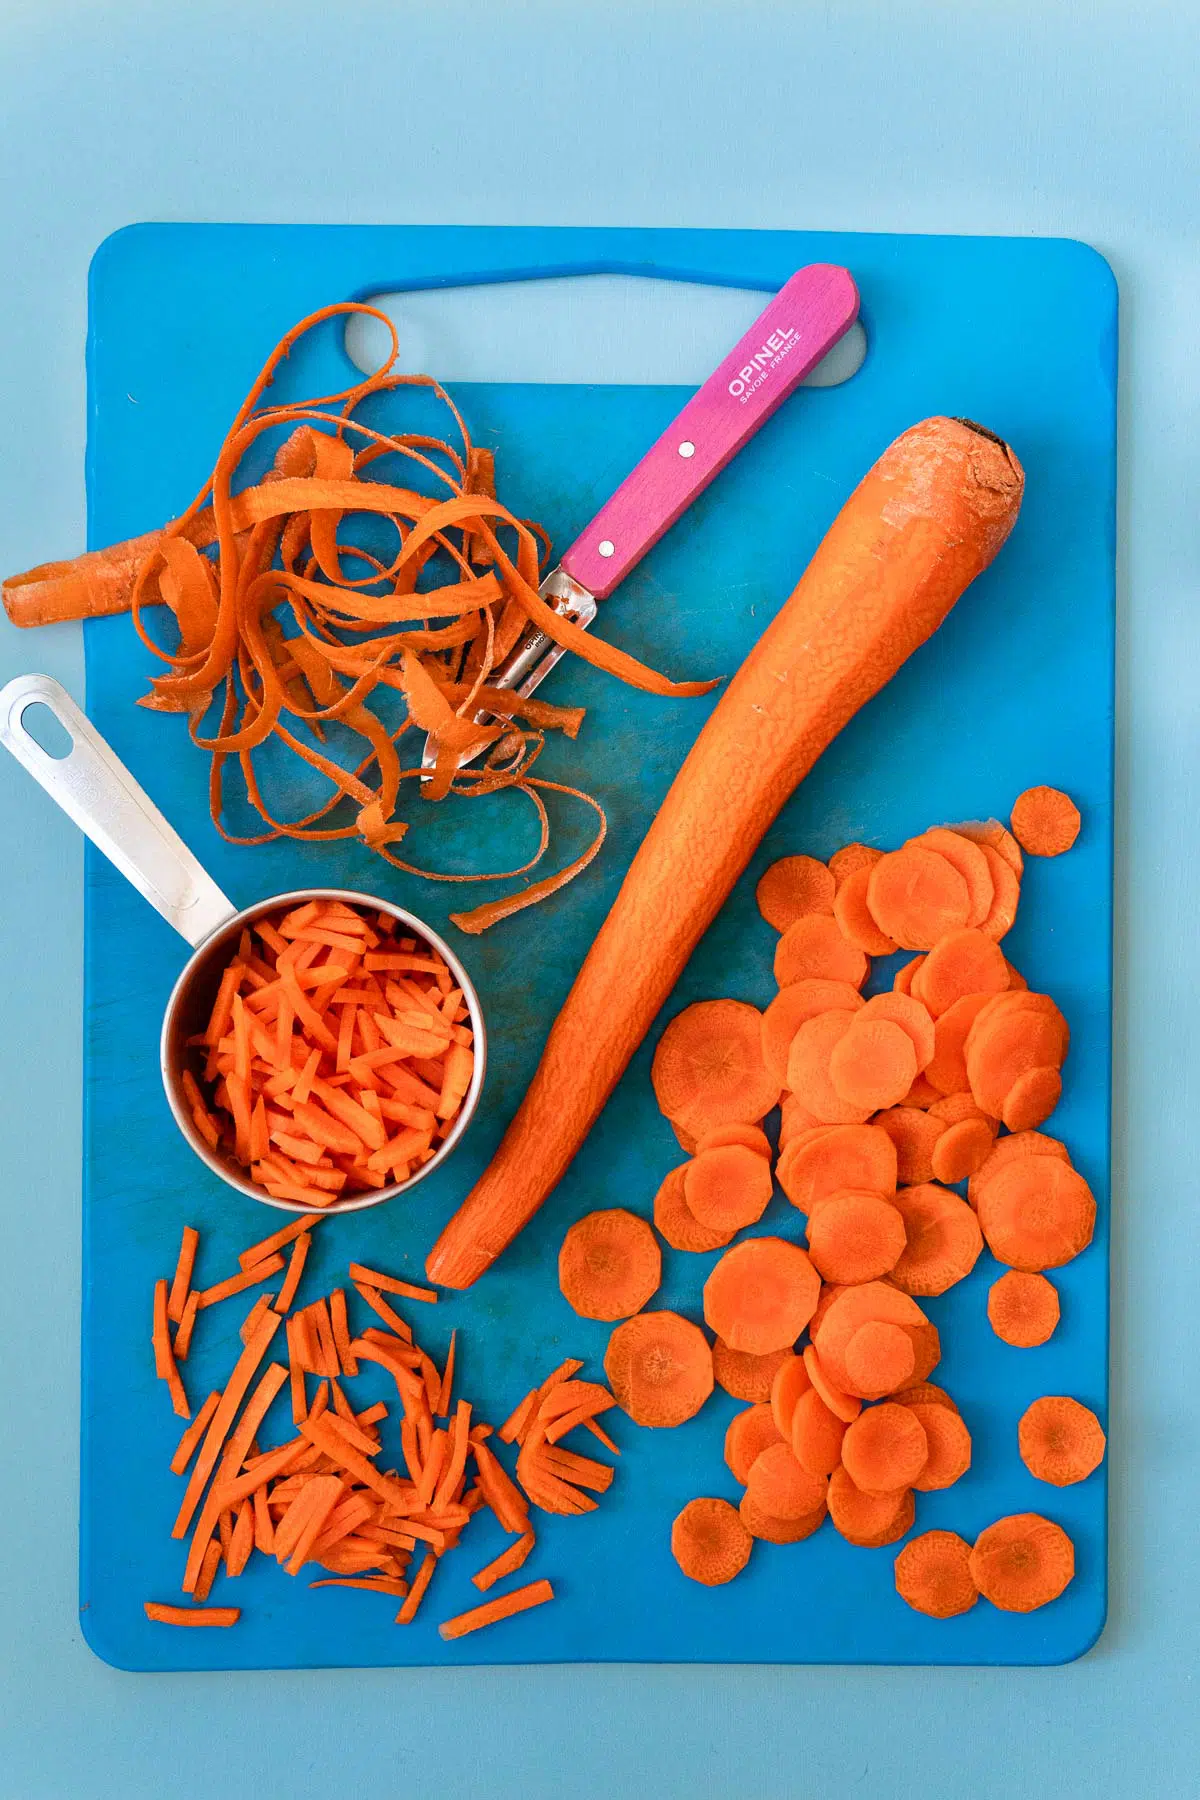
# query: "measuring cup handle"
95, 789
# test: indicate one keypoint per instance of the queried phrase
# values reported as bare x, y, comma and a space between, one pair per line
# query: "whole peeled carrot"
928, 517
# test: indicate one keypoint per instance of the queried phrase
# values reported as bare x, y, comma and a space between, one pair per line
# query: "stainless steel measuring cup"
95, 789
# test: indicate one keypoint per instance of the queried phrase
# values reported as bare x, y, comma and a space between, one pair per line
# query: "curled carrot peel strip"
297, 611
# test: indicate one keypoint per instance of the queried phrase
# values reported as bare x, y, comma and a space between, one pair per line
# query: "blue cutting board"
1016, 688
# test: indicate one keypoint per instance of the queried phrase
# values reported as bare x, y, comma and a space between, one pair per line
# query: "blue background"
1016, 685
913, 118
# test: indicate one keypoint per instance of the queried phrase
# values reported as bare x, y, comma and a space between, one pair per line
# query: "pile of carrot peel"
336, 1057
320, 1497
887, 1105
369, 584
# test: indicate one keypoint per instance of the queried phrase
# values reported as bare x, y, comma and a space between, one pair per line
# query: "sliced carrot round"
835, 1158
856, 1237
910, 1015
933, 1575
675, 1221
842, 1405
1023, 1309
997, 837
1022, 1562
853, 1307
793, 887
880, 1358
778, 1531
916, 897
761, 1295
748, 1434
906, 975
751, 1137
708, 1068
744, 1376
794, 1006
1008, 1149
728, 1188
1045, 821
814, 949
960, 964
868, 1520
817, 1435
873, 1064
924, 1393
709, 1542
1003, 1044
782, 1487
1007, 896
808, 1070
961, 1150
885, 1449
949, 1444
1060, 1441
609, 1265
947, 1067
971, 864
659, 1368
914, 1134
789, 1382
853, 915
850, 857
1032, 1098
1036, 1213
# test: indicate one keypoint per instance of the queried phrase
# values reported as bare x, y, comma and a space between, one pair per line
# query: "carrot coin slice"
814, 948
748, 1434
1060, 1440
744, 1376
916, 897
1045, 821
1022, 1562
1023, 1309
674, 1220
609, 1265
933, 1575
793, 887
761, 1295
659, 1367
710, 1542
708, 1068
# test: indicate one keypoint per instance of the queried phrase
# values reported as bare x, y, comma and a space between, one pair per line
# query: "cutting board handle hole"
591, 329
47, 732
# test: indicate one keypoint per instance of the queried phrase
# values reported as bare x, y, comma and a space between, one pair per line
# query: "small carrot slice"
832, 1159
960, 964
1061, 1441
850, 857
675, 1221
792, 1007
727, 1188
507, 1563
792, 887
1036, 1213
743, 1375
868, 1520
750, 1137
610, 1263
879, 1359
747, 1435
659, 1367
220, 1616
854, 918
518, 1600
782, 1487
943, 1240
1045, 821
1032, 1098
182, 1281
1022, 1562
916, 897
809, 1070
790, 1381
1007, 1149
968, 858
762, 1525
947, 1068
933, 1575
710, 1542
854, 1307
885, 1449
817, 1435
962, 1149
1023, 1309
873, 1064
815, 949
761, 1295
949, 1444
856, 1237
708, 1067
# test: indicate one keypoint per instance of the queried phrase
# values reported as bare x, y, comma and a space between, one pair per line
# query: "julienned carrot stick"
536, 1593
924, 522
507, 1563
183, 1336
278, 1240
192, 1615
222, 1419
295, 1270
444, 1392
177, 1298
237, 1284
416, 1593
382, 1310
390, 1284
164, 1355
194, 1432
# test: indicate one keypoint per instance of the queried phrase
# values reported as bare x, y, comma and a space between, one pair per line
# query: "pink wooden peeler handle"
804, 320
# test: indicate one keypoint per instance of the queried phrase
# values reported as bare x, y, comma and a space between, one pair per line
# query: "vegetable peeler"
804, 320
